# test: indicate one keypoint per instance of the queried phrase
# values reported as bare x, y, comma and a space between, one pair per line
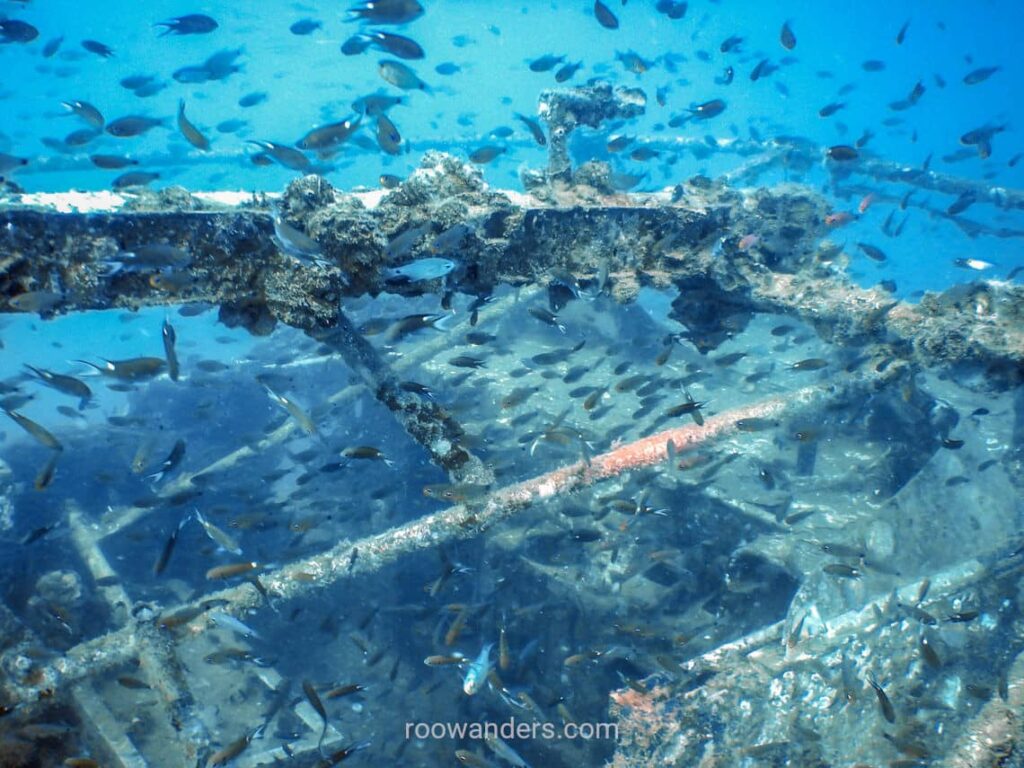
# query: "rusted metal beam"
426, 422
229, 259
694, 244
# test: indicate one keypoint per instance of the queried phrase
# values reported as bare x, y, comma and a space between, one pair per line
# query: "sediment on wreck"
728, 254
639, 239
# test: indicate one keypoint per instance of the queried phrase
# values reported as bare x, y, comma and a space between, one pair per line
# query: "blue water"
562, 578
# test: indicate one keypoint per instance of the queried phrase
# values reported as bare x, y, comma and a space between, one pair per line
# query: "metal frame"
692, 244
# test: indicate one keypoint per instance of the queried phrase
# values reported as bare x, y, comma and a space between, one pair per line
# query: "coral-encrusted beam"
460, 522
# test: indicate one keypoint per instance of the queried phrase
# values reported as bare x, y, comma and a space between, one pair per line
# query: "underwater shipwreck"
814, 562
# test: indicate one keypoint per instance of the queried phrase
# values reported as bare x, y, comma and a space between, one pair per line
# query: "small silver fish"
173, 460
297, 244
133, 368
978, 265
326, 137
391, 12
534, 127
285, 155
36, 301
141, 457
153, 255
228, 621
86, 112
401, 76
296, 412
170, 338
40, 433
132, 125
388, 137
401, 244
505, 752
419, 270
69, 385
318, 705
478, 671
46, 472
192, 134
217, 536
